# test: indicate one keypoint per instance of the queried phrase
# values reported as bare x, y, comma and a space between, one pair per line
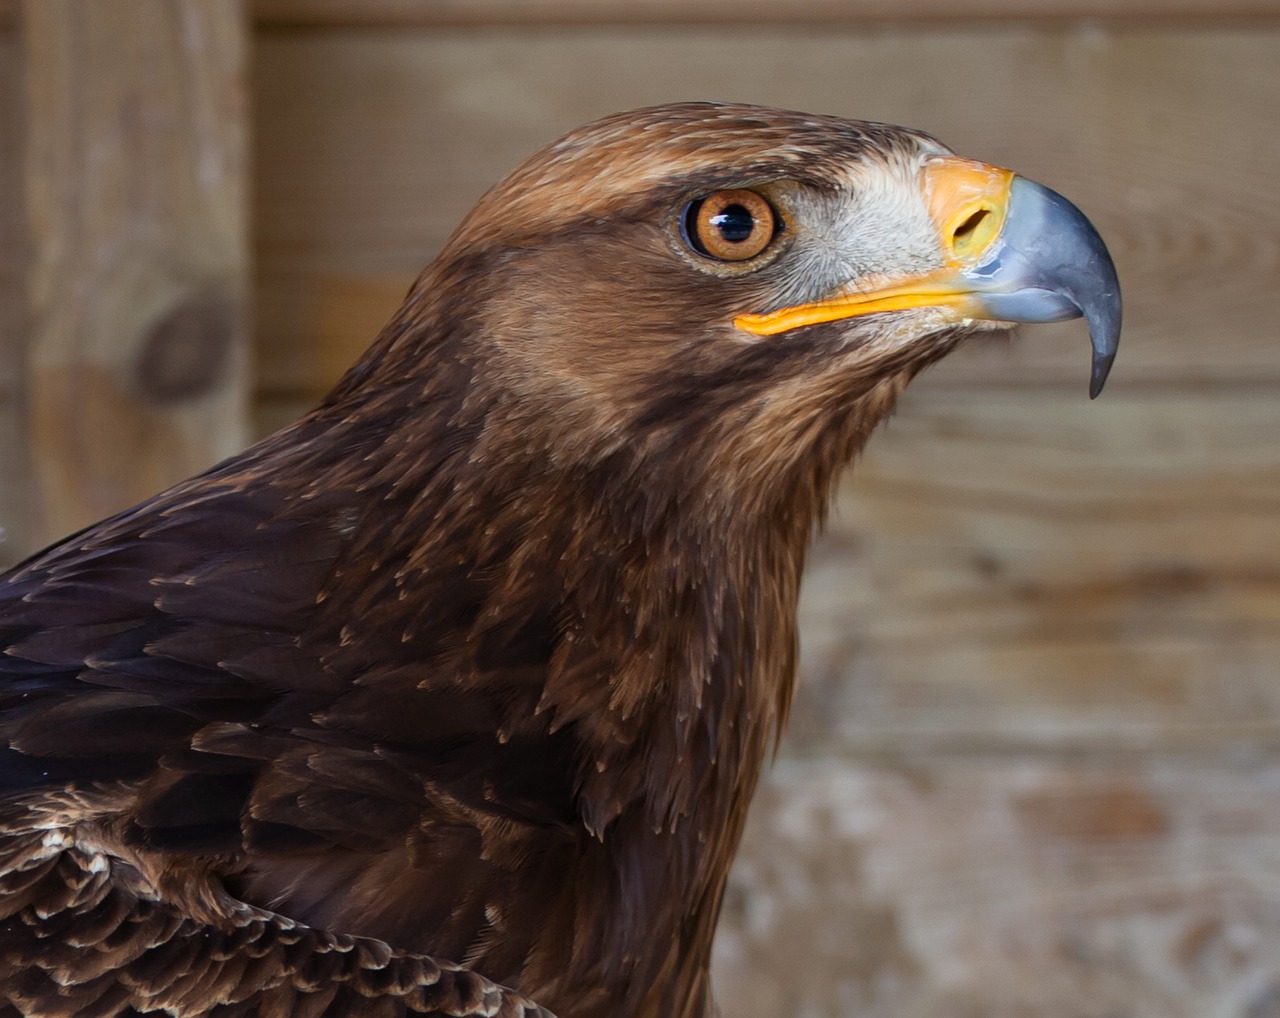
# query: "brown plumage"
477, 664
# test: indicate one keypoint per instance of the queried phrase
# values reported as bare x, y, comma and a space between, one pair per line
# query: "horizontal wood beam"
451, 13
495, 13
278, 14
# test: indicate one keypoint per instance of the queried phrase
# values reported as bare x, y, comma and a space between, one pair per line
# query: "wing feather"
175, 683
90, 940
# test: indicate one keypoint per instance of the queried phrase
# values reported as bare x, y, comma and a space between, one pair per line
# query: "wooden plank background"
469, 13
16, 481
1033, 768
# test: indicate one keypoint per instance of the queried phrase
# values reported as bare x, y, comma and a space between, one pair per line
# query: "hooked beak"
1013, 251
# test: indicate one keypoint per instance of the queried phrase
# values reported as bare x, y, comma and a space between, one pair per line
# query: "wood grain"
13, 234
1007, 888
370, 147
437, 13
1021, 571
16, 480
136, 194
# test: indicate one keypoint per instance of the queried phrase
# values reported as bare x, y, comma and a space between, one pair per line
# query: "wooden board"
15, 468
438, 13
136, 194
1007, 888
13, 233
1011, 570
371, 146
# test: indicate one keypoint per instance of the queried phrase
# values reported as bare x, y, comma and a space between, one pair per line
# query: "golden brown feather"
479, 660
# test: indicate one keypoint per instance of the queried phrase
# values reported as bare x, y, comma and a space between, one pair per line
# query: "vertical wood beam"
15, 467
136, 192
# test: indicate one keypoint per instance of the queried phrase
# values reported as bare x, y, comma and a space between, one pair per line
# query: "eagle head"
732, 282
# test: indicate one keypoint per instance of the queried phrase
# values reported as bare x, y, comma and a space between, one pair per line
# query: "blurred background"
1034, 768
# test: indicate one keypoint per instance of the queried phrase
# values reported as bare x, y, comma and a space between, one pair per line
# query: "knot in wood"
185, 351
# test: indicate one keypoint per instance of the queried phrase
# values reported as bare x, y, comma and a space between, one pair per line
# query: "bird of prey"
450, 697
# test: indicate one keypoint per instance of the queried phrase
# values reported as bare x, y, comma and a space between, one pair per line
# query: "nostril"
974, 232
970, 224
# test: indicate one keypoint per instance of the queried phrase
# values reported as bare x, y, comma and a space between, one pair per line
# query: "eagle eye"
730, 226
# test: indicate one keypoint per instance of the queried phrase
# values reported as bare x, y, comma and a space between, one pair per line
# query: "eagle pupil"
735, 223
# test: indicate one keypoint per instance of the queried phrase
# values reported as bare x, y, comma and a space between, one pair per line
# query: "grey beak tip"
1103, 314
1104, 335
1098, 376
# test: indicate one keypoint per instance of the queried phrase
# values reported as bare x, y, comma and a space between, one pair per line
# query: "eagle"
450, 698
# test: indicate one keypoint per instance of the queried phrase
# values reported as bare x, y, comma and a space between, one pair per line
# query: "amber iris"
731, 226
